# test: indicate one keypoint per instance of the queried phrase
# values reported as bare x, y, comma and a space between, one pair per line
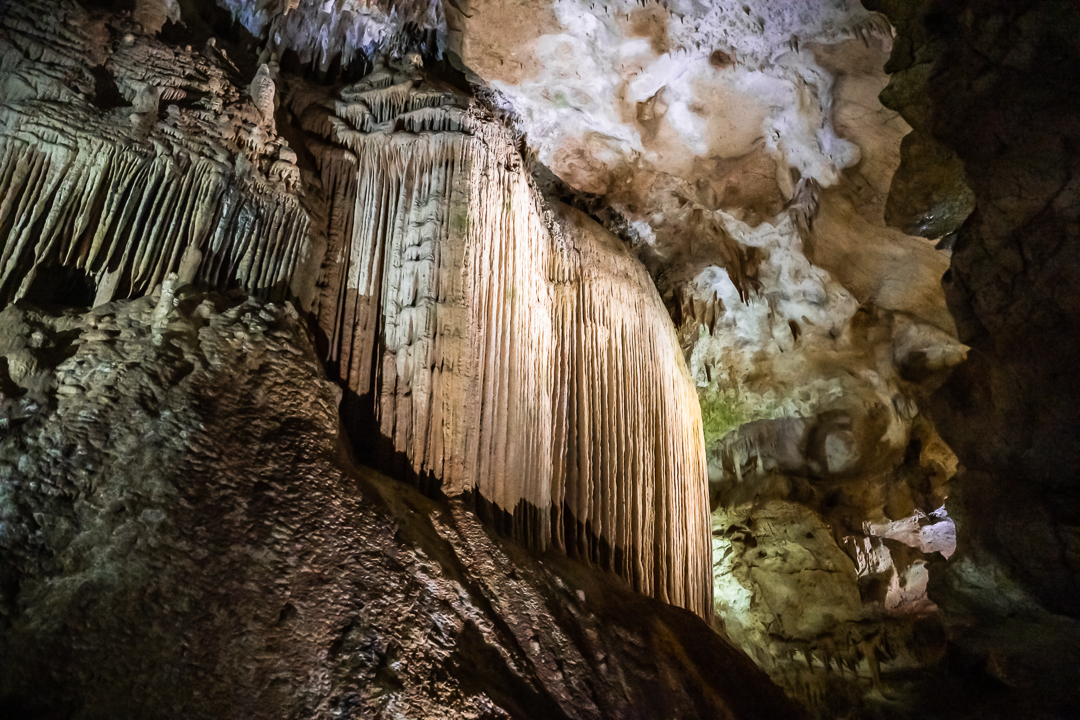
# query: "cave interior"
536, 360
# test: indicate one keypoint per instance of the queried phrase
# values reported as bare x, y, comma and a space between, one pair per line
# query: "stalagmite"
262, 90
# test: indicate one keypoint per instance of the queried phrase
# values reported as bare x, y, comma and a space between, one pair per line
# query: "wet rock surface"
184, 536
929, 195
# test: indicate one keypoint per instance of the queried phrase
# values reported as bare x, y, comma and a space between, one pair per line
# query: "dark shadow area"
107, 95
202, 21
371, 448
483, 669
60, 285
108, 5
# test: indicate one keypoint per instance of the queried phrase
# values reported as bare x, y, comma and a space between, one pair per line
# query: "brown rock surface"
497, 346
183, 536
1012, 411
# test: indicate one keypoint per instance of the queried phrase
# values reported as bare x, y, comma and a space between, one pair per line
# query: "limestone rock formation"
444, 314
742, 150
122, 160
628, 283
184, 536
1015, 257
817, 452
342, 33
503, 348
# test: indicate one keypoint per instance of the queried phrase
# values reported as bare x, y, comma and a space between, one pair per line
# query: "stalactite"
120, 211
127, 194
485, 344
505, 351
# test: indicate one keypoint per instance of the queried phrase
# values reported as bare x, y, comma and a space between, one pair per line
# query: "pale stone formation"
148, 162
625, 99
323, 32
507, 352
742, 148
503, 348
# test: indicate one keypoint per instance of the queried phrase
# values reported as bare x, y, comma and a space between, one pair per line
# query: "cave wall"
987, 80
503, 344
741, 150
184, 535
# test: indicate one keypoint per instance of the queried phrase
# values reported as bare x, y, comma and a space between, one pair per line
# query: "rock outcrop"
742, 151
751, 173
499, 349
182, 535
587, 272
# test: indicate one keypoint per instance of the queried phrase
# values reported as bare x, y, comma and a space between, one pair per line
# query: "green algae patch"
727, 409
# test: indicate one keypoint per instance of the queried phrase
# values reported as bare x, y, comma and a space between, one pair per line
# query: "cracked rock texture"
182, 535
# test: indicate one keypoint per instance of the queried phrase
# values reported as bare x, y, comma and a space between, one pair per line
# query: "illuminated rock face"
183, 536
327, 32
724, 320
742, 149
502, 348
817, 454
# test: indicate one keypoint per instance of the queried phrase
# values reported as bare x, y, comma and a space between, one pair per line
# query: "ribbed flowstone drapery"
504, 349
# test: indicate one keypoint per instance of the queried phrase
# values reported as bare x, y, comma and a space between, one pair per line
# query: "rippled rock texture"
184, 536
501, 342
495, 343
